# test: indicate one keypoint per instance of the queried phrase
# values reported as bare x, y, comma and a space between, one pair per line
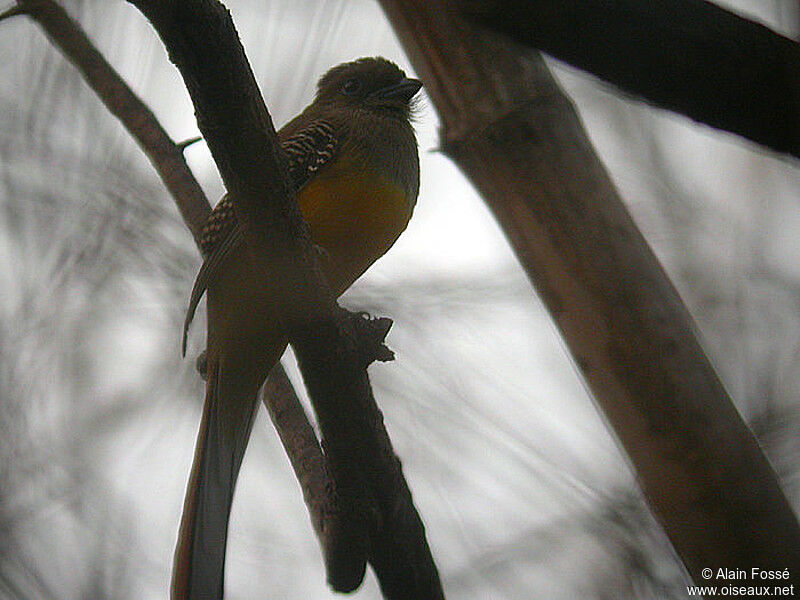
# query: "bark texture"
509, 127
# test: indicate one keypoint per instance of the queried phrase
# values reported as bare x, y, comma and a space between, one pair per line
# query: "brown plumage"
353, 159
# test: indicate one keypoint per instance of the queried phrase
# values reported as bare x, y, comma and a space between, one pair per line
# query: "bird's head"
369, 83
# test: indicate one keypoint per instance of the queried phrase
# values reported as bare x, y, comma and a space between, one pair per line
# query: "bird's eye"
351, 87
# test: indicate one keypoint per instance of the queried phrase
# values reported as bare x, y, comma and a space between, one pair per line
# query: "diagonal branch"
165, 156
688, 56
296, 433
379, 514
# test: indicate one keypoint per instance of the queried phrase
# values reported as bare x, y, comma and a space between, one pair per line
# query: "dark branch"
688, 56
299, 439
363, 462
374, 500
15, 11
186, 143
310, 468
120, 100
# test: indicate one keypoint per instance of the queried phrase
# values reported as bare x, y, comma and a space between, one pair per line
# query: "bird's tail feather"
224, 431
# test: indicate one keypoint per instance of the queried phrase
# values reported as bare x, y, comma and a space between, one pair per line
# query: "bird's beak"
405, 90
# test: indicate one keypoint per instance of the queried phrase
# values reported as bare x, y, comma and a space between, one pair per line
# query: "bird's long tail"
228, 414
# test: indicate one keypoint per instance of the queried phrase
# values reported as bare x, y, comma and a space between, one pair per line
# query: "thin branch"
14, 11
165, 156
688, 56
186, 143
296, 433
374, 498
509, 127
311, 471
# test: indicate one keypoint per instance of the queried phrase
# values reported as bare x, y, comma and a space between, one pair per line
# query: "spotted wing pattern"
308, 151
218, 226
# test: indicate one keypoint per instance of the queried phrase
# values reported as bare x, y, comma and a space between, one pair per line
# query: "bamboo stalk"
512, 131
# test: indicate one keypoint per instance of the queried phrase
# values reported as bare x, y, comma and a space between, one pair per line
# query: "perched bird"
353, 160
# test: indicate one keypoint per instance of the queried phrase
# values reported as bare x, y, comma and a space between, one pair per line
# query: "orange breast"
355, 217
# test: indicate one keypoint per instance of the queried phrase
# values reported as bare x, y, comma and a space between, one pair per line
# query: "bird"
353, 160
